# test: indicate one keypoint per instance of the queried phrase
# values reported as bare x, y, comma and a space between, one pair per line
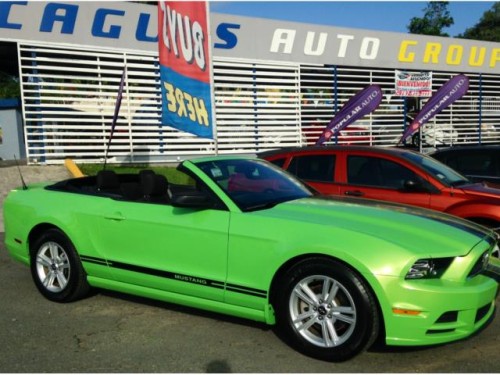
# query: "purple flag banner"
118, 103
361, 104
451, 91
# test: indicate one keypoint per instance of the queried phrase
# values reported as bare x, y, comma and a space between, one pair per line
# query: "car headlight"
428, 268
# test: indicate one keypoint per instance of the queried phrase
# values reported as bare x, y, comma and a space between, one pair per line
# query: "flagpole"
115, 116
212, 91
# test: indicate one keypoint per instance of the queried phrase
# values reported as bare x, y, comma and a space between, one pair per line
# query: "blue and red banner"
451, 91
185, 67
361, 104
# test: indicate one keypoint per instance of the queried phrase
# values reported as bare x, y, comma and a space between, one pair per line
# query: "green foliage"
9, 87
488, 27
436, 17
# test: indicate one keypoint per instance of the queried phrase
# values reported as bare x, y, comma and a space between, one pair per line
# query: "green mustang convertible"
242, 237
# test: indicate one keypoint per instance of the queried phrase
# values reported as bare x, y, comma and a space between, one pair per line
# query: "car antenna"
115, 116
25, 187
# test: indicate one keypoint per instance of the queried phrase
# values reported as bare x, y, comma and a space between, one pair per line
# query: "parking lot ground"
112, 332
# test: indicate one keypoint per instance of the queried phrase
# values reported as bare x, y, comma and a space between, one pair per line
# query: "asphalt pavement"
115, 333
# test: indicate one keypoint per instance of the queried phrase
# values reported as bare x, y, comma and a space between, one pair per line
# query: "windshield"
253, 183
438, 170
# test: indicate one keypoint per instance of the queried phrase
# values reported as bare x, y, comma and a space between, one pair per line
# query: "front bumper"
448, 310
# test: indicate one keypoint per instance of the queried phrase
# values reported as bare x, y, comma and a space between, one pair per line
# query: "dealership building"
275, 84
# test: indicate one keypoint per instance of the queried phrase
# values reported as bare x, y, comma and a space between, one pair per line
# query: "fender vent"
448, 317
480, 265
481, 313
437, 331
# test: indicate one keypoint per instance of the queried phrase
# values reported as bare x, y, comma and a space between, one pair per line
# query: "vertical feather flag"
361, 104
451, 91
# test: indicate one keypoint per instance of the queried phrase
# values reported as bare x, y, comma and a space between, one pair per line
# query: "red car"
391, 174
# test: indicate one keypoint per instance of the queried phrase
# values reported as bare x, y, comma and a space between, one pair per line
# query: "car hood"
418, 230
483, 189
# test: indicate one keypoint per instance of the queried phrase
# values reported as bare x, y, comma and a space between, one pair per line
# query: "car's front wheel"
56, 268
325, 310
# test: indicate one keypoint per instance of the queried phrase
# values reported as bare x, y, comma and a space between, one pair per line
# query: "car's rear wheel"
326, 311
56, 268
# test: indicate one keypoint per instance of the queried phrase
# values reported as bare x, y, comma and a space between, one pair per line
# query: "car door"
162, 247
378, 177
317, 170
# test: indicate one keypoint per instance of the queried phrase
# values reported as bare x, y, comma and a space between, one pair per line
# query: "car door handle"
354, 193
116, 216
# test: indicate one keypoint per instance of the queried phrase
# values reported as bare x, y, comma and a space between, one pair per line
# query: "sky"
393, 16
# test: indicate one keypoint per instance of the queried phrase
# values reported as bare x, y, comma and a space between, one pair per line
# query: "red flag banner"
185, 67
451, 91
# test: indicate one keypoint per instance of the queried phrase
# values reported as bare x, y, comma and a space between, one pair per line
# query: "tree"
9, 86
436, 17
488, 27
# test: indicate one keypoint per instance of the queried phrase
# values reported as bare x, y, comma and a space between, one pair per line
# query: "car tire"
321, 324
56, 268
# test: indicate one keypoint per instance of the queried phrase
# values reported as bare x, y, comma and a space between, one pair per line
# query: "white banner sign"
413, 84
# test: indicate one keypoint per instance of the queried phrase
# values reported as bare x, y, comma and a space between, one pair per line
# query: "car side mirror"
191, 199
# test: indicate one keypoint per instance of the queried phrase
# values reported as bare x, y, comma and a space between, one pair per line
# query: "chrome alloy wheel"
52, 266
322, 311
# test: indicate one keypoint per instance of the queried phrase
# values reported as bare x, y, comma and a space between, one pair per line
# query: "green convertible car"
242, 237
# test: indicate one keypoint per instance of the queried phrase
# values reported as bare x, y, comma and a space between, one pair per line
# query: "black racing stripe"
468, 228
95, 260
246, 290
438, 216
167, 274
176, 276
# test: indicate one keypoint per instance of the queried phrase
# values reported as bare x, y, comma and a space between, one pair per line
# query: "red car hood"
482, 189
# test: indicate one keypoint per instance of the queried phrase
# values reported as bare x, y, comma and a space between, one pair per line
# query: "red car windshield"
441, 172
